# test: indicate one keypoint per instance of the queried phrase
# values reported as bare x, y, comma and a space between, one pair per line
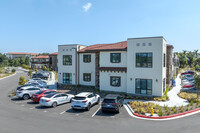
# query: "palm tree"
196, 53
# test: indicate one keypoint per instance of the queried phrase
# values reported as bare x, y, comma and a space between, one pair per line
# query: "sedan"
189, 90
37, 96
54, 99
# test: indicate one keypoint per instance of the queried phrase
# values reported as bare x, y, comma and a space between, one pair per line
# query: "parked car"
54, 99
34, 83
188, 76
27, 91
189, 90
112, 102
37, 96
188, 86
85, 100
187, 72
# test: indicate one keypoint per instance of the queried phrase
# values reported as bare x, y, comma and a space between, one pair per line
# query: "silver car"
27, 91
85, 100
54, 99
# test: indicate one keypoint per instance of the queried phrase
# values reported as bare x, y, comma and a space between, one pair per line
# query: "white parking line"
45, 111
22, 105
96, 111
62, 112
31, 108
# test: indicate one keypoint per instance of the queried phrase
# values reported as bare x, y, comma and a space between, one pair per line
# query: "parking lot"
65, 110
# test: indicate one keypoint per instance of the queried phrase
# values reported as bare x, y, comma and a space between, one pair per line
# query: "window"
144, 60
164, 60
164, 85
67, 59
87, 58
115, 81
143, 86
87, 77
115, 57
67, 78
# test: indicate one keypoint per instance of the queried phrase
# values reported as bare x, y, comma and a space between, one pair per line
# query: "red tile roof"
168, 45
105, 47
41, 57
21, 53
56, 53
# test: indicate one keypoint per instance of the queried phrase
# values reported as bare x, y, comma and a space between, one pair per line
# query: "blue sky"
40, 25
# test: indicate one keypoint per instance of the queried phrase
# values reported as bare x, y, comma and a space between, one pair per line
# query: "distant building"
40, 61
53, 61
14, 55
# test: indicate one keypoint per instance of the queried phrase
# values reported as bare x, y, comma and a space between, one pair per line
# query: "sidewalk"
174, 99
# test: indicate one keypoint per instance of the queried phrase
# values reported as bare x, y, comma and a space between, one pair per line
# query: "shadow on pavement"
75, 111
108, 113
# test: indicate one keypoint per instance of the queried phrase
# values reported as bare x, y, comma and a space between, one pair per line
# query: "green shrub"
175, 111
181, 110
187, 109
168, 112
160, 113
191, 103
13, 70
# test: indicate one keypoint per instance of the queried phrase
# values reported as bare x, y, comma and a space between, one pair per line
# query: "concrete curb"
163, 118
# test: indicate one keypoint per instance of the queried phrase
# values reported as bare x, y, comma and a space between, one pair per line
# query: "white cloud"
87, 6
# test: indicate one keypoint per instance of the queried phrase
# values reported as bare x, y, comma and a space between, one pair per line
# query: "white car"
26, 92
85, 100
54, 99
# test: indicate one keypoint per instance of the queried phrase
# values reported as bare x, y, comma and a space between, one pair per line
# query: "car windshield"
39, 92
50, 95
109, 100
79, 98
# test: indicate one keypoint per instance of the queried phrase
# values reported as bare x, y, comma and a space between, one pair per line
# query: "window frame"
85, 58
146, 62
138, 90
111, 79
111, 57
69, 79
87, 79
65, 63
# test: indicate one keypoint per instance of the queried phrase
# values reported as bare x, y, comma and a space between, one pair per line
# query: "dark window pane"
87, 77
115, 81
144, 60
67, 78
115, 57
67, 59
86, 58
143, 86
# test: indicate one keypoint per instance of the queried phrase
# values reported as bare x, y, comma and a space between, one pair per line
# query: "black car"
112, 102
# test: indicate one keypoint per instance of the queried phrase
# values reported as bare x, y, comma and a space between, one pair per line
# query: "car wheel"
54, 104
26, 97
88, 107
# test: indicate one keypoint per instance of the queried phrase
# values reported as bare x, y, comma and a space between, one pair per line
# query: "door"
58, 99
64, 98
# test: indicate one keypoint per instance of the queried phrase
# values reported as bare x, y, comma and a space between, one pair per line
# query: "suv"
85, 100
27, 92
112, 102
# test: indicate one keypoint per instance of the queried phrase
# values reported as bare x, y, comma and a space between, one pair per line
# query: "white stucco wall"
156, 73
67, 50
105, 81
105, 59
87, 68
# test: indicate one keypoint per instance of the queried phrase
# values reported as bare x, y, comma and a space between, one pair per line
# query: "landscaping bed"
142, 108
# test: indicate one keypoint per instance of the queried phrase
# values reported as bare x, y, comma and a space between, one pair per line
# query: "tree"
196, 53
190, 56
197, 83
30, 73
27, 61
22, 61
22, 80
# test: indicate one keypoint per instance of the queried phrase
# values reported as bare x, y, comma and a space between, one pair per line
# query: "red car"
36, 97
187, 72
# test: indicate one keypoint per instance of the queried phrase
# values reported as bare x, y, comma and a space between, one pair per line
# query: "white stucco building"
136, 66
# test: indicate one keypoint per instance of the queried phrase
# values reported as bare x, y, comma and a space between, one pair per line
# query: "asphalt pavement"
18, 116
